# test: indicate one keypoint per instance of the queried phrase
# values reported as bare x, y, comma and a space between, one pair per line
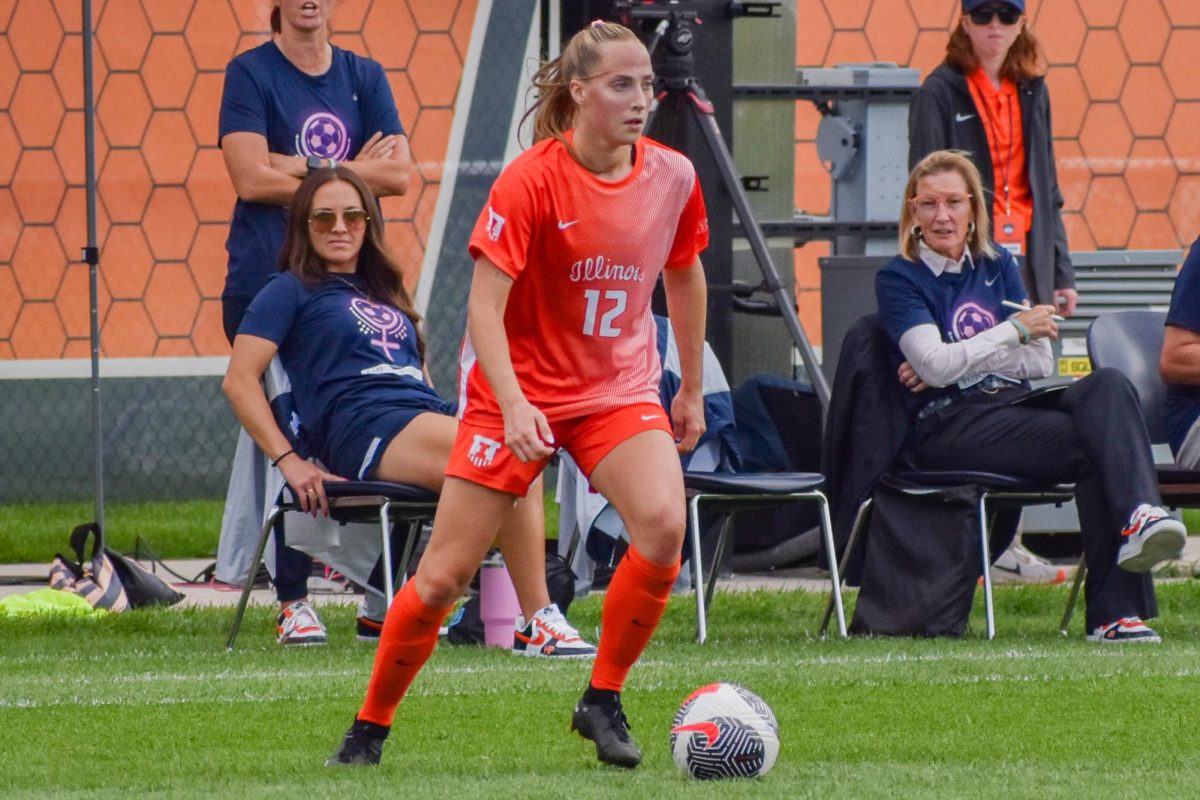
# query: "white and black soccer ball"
724, 731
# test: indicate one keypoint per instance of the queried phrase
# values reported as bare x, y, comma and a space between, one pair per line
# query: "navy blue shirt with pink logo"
350, 361
960, 305
328, 115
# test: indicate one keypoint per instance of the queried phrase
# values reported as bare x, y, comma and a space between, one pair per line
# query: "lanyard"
1007, 166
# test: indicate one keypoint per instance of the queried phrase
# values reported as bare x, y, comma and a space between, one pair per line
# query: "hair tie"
598, 23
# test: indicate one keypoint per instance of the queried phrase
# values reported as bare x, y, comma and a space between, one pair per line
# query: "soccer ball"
724, 731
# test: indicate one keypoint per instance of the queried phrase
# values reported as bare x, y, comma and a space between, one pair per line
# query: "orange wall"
1124, 84
1125, 92
165, 198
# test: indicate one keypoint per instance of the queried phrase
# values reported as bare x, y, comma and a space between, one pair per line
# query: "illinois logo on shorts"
482, 451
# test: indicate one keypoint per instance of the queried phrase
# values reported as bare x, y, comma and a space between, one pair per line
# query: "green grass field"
149, 704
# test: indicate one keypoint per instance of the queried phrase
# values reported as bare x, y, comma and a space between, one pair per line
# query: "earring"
915, 231
971, 228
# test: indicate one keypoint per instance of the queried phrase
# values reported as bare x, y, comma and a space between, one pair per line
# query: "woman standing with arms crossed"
561, 353
291, 105
989, 98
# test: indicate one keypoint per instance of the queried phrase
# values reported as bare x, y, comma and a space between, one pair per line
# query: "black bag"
921, 562
139, 586
466, 626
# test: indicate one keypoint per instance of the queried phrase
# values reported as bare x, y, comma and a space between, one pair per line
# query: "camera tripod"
680, 87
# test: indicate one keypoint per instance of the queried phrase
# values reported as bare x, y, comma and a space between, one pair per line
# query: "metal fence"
164, 438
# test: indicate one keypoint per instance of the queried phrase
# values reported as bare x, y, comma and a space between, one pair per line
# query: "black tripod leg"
758, 243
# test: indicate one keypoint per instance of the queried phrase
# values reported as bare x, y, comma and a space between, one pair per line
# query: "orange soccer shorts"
479, 454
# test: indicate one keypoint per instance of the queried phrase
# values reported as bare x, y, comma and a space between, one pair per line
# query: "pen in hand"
1019, 307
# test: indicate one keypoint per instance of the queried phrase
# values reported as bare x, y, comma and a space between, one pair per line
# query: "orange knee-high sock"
633, 605
410, 632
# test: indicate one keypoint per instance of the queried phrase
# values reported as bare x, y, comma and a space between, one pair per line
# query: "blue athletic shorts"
359, 439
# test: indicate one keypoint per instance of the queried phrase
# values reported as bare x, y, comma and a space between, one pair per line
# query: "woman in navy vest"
966, 342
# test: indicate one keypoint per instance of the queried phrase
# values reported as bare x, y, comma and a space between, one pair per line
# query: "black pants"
292, 567
1092, 436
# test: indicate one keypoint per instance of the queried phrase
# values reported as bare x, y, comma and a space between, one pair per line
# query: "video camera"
672, 24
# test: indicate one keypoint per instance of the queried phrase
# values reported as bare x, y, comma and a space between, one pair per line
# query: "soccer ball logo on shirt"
970, 319
324, 135
386, 321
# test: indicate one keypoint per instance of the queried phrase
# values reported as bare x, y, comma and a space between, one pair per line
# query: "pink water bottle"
498, 606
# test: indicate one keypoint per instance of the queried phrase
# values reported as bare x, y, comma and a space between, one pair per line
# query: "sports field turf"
149, 704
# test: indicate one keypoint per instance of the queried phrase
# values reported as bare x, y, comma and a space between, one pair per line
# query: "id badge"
1010, 233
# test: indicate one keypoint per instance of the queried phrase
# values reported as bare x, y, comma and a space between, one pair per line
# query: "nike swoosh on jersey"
562, 226
963, 117
648, 417
986, 282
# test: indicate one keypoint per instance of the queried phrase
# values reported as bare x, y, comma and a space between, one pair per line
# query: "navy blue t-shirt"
1183, 401
346, 356
960, 305
328, 115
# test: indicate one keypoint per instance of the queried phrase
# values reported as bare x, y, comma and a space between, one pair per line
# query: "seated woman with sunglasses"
343, 325
948, 302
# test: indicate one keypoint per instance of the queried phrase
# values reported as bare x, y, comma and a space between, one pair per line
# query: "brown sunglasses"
323, 220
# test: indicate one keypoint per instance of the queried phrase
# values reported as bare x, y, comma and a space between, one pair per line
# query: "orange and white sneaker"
1126, 629
298, 624
1152, 536
549, 635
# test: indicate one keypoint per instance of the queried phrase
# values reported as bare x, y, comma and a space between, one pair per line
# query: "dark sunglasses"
323, 220
983, 15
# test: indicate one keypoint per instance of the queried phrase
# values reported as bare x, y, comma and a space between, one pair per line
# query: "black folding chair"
729, 493
354, 502
997, 491
1132, 342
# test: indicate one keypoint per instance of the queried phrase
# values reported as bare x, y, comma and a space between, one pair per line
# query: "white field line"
246, 686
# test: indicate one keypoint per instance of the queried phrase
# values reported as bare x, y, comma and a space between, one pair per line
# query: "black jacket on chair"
866, 427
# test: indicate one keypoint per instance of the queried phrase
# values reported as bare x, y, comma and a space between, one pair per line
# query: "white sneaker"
298, 624
549, 635
1125, 630
1018, 565
1151, 536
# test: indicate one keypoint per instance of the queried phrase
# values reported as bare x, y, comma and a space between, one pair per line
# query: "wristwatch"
315, 162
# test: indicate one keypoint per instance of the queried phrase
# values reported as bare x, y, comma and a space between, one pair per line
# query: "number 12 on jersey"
615, 300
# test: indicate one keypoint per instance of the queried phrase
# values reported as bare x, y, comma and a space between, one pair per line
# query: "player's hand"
378, 146
1039, 321
308, 482
909, 378
687, 418
527, 433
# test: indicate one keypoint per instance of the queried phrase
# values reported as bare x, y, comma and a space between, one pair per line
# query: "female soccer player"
561, 353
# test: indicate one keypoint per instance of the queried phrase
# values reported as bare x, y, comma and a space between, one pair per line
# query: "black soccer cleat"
606, 725
361, 747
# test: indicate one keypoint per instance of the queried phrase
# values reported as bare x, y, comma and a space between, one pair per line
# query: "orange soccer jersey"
584, 255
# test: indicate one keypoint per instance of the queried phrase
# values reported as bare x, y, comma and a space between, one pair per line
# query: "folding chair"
1132, 342
729, 493
998, 491
355, 502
